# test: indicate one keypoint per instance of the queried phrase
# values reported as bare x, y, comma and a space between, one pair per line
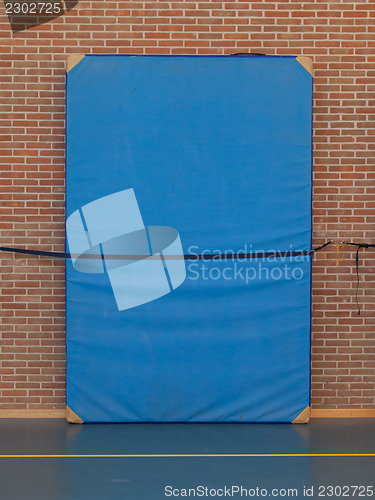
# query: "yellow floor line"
200, 455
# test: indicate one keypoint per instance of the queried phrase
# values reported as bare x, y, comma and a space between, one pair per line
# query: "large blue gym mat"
171, 156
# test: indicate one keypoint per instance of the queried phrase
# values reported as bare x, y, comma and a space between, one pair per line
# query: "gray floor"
146, 478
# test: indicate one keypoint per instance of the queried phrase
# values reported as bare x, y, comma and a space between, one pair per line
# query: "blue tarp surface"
218, 148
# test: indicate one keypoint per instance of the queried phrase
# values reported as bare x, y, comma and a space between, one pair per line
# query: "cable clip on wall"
359, 246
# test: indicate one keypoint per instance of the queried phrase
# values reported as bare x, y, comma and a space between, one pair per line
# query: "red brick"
341, 39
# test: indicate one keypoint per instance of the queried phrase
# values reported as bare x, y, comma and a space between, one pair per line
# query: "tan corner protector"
72, 417
72, 60
303, 417
306, 62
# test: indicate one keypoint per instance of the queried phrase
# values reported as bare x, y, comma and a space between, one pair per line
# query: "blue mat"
174, 156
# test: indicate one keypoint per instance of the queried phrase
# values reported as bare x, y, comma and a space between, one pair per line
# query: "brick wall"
338, 35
